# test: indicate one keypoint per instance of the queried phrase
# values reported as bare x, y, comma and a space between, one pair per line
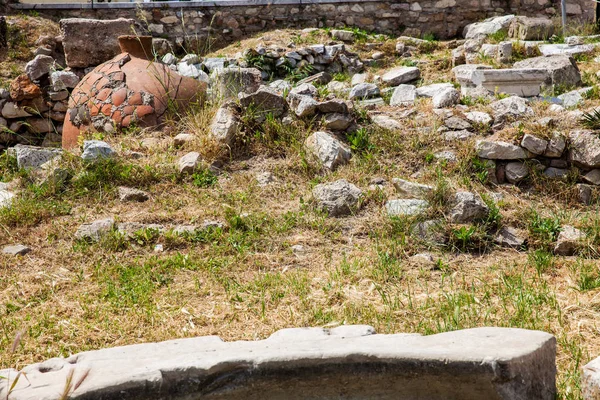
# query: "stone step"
348, 362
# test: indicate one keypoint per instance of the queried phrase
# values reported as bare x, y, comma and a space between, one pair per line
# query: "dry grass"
69, 296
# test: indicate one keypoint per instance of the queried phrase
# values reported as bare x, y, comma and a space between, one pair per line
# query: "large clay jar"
127, 90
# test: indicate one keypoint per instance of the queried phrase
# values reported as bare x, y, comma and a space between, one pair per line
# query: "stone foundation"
228, 21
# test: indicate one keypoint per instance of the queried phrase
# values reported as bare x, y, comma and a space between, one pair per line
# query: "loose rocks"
95, 230
329, 150
467, 207
96, 150
337, 198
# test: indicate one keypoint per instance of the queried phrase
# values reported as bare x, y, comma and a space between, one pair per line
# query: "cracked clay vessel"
129, 89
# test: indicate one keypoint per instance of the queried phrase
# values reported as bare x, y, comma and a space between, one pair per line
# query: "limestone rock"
400, 75
90, 42
556, 173
189, 162
333, 106
585, 193
515, 172
337, 87
304, 106
307, 89
593, 177
16, 250
488, 26
531, 28
457, 123
574, 97
513, 107
311, 363
32, 157
192, 71
409, 189
534, 144
95, 230
479, 117
404, 95
386, 122
556, 146
497, 150
282, 86
569, 241
446, 98
11, 110
226, 124
346, 36
329, 150
433, 89
358, 79
169, 59
230, 81
509, 237
39, 66
363, 91
264, 101
467, 207
94, 150
406, 207
337, 121
6, 197
584, 148
562, 69
337, 198
61, 80
320, 78
182, 139
131, 194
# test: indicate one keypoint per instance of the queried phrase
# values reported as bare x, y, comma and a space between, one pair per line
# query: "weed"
480, 169
541, 259
543, 230
204, 178
589, 277
462, 237
359, 140
591, 119
498, 36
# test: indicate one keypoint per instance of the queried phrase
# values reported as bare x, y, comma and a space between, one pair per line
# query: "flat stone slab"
348, 362
521, 82
561, 48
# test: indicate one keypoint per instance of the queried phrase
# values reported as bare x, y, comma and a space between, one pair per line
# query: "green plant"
591, 119
498, 36
359, 140
481, 169
589, 278
462, 237
494, 217
541, 259
8, 167
146, 236
204, 178
544, 230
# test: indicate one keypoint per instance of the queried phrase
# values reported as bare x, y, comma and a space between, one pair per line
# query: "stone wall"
227, 21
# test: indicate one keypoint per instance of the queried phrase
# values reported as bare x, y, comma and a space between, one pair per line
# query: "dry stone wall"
229, 21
